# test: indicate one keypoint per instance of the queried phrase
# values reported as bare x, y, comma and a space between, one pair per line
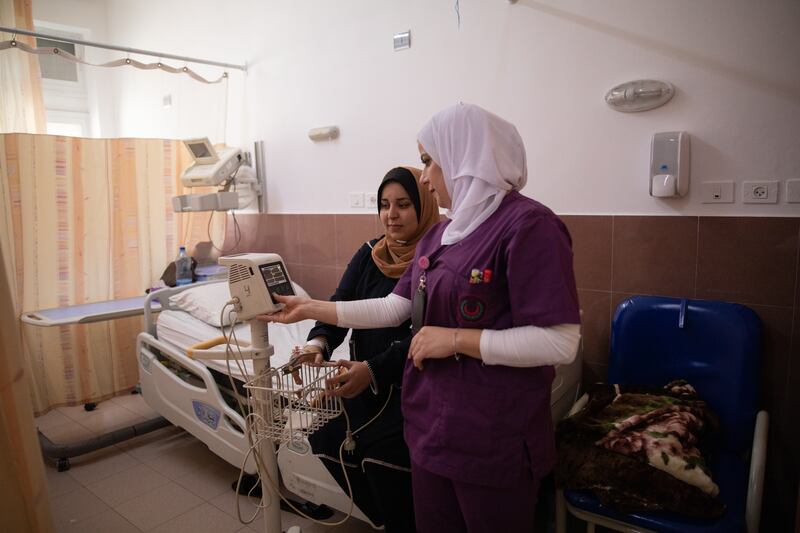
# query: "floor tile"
74, 507
70, 432
158, 506
227, 502
157, 443
107, 522
211, 481
203, 519
53, 418
92, 467
135, 403
193, 456
128, 484
75, 412
109, 417
59, 483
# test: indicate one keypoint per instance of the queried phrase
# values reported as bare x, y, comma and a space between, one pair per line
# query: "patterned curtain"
21, 106
81, 221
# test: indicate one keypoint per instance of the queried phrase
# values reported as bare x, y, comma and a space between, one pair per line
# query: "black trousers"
381, 484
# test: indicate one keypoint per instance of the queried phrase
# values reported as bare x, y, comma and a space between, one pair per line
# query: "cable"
254, 444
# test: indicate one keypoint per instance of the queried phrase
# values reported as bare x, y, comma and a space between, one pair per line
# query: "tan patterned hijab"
393, 257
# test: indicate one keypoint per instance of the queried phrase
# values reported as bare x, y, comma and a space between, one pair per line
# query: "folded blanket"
639, 449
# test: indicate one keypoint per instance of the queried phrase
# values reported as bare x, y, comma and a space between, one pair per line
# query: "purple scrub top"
488, 424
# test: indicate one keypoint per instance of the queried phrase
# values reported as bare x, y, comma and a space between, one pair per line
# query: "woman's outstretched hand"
295, 309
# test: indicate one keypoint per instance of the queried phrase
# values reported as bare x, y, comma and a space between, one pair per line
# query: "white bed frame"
203, 412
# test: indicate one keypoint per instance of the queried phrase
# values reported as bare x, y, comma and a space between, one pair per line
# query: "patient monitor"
209, 168
253, 279
212, 168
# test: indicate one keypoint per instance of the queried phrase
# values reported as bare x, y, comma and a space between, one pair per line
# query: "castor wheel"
91, 406
62, 464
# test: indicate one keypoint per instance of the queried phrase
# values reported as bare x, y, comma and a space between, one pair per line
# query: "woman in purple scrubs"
493, 302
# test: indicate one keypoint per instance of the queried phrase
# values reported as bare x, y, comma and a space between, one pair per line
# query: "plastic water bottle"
183, 268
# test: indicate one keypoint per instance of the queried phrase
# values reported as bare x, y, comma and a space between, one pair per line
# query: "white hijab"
482, 158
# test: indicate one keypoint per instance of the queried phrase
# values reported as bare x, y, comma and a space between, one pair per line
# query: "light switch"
356, 199
716, 192
793, 191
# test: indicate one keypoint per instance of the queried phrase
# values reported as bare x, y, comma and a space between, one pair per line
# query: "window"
64, 93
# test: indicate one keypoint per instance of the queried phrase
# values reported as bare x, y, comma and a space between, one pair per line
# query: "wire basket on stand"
287, 412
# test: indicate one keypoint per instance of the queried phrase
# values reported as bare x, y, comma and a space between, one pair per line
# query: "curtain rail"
121, 48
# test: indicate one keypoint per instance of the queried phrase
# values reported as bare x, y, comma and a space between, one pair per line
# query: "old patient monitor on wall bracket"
669, 164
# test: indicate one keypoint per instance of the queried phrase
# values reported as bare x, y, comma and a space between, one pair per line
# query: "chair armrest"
755, 483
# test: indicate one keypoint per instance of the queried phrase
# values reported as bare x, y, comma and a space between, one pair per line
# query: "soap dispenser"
669, 164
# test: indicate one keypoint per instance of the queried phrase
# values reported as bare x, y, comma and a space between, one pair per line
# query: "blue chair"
716, 347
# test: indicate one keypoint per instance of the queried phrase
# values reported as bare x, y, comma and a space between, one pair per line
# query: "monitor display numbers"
277, 280
273, 274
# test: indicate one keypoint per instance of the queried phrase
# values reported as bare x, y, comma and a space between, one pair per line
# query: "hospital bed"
197, 395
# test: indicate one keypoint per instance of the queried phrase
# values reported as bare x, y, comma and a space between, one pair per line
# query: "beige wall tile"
595, 325
655, 255
316, 237
748, 259
352, 231
591, 247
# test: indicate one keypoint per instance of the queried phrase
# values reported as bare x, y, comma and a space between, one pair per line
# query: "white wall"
544, 65
206, 29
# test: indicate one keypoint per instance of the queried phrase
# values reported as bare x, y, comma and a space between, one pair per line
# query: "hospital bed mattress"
182, 330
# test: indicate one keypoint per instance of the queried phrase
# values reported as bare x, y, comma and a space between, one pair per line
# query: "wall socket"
372, 200
760, 192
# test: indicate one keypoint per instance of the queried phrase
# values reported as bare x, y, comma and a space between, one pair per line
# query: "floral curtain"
21, 107
81, 221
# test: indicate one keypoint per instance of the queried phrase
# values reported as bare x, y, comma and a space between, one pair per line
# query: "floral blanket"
639, 449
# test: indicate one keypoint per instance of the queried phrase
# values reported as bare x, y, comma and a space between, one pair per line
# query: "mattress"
182, 330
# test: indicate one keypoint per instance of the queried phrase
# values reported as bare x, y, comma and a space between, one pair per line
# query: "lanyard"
419, 302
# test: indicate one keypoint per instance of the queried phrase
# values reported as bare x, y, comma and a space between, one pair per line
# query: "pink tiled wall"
750, 260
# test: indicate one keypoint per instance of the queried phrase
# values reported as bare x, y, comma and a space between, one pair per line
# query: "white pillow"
205, 302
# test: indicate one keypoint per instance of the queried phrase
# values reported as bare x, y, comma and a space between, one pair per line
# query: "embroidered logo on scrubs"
472, 308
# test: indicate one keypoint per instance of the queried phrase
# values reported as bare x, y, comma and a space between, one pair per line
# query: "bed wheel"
62, 464
89, 406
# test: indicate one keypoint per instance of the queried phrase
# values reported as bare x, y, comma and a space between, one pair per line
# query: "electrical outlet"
356, 199
760, 192
372, 200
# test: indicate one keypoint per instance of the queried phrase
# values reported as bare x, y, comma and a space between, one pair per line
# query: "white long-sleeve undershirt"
523, 346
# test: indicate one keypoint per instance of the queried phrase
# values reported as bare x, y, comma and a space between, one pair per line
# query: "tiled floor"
166, 481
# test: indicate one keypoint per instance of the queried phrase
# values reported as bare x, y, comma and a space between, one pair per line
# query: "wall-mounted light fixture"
639, 95
324, 133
